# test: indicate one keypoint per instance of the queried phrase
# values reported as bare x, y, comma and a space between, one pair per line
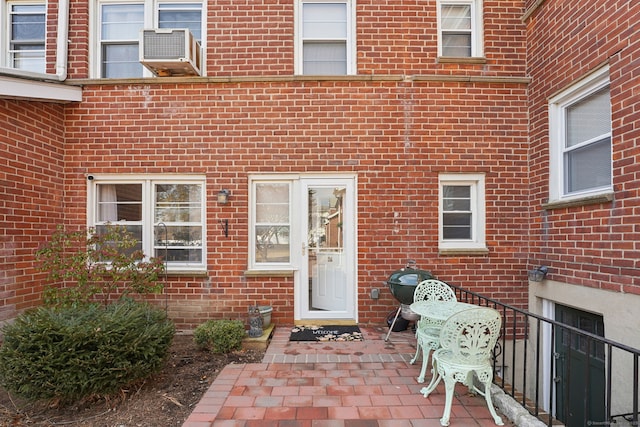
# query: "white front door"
325, 288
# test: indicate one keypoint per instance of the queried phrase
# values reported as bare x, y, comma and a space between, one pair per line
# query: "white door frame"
299, 251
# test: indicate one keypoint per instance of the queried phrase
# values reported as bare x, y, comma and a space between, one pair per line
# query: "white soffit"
32, 90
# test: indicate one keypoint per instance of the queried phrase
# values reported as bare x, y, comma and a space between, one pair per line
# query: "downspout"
62, 51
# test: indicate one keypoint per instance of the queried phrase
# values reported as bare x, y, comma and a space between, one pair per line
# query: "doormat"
326, 333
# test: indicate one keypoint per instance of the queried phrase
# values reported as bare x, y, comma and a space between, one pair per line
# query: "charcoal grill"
402, 284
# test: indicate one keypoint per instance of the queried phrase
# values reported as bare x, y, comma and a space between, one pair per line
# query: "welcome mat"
326, 333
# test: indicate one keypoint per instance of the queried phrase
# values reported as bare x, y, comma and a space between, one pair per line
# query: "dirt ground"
166, 399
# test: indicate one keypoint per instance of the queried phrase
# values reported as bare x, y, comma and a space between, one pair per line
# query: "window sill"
581, 201
463, 251
269, 273
461, 60
192, 273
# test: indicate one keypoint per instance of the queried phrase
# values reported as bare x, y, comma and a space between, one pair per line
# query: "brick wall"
249, 38
31, 196
397, 136
593, 245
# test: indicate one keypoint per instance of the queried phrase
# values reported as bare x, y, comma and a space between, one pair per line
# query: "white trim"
150, 20
478, 211
477, 25
351, 43
148, 209
587, 86
37, 90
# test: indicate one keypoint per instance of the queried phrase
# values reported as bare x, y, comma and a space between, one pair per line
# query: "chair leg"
492, 410
449, 383
435, 379
426, 351
415, 358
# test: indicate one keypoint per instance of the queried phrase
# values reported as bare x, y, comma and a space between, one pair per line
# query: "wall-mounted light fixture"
538, 274
223, 196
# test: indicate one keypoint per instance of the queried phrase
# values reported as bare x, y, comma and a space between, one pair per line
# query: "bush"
220, 336
76, 352
96, 263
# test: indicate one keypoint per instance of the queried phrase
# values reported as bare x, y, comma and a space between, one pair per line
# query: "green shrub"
96, 263
220, 336
76, 352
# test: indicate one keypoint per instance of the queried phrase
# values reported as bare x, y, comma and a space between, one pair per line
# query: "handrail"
516, 325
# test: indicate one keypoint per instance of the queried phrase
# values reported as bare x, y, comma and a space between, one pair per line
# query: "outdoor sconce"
538, 274
223, 196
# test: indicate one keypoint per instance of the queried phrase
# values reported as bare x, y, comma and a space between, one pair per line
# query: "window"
271, 224
165, 215
120, 25
460, 28
325, 39
580, 139
27, 28
462, 212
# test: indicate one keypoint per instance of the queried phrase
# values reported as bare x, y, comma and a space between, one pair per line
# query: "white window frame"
476, 182
148, 211
5, 27
477, 26
558, 105
350, 40
253, 262
151, 16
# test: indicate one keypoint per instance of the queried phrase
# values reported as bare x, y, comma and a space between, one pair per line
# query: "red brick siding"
248, 38
594, 245
31, 196
397, 137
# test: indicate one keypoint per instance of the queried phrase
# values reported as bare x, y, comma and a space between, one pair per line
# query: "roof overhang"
34, 90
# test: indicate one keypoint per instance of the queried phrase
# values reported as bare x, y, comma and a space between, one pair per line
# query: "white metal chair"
428, 332
467, 340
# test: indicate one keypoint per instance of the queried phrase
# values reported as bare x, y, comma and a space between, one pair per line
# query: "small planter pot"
265, 311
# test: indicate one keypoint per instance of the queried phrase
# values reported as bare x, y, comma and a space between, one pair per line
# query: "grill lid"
402, 283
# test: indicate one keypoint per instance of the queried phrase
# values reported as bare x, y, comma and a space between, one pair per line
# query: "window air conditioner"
170, 52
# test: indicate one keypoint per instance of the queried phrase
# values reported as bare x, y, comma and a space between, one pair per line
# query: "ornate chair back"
433, 290
470, 336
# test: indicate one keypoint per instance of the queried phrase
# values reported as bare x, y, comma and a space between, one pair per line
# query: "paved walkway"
333, 384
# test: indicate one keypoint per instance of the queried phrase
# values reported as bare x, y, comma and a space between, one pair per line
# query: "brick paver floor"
333, 384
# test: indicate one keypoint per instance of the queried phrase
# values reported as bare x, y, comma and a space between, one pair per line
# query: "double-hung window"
27, 27
460, 28
120, 25
166, 215
325, 37
462, 212
119, 31
271, 224
580, 139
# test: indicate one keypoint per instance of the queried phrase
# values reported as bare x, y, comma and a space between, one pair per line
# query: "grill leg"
393, 323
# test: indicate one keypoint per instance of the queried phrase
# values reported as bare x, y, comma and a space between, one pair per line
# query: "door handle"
304, 248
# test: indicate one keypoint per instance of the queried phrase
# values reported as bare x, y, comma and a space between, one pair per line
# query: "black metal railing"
526, 338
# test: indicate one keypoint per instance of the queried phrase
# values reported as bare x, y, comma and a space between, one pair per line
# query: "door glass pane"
325, 243
272, 227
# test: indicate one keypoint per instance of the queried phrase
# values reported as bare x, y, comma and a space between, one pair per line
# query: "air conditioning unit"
170, 52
